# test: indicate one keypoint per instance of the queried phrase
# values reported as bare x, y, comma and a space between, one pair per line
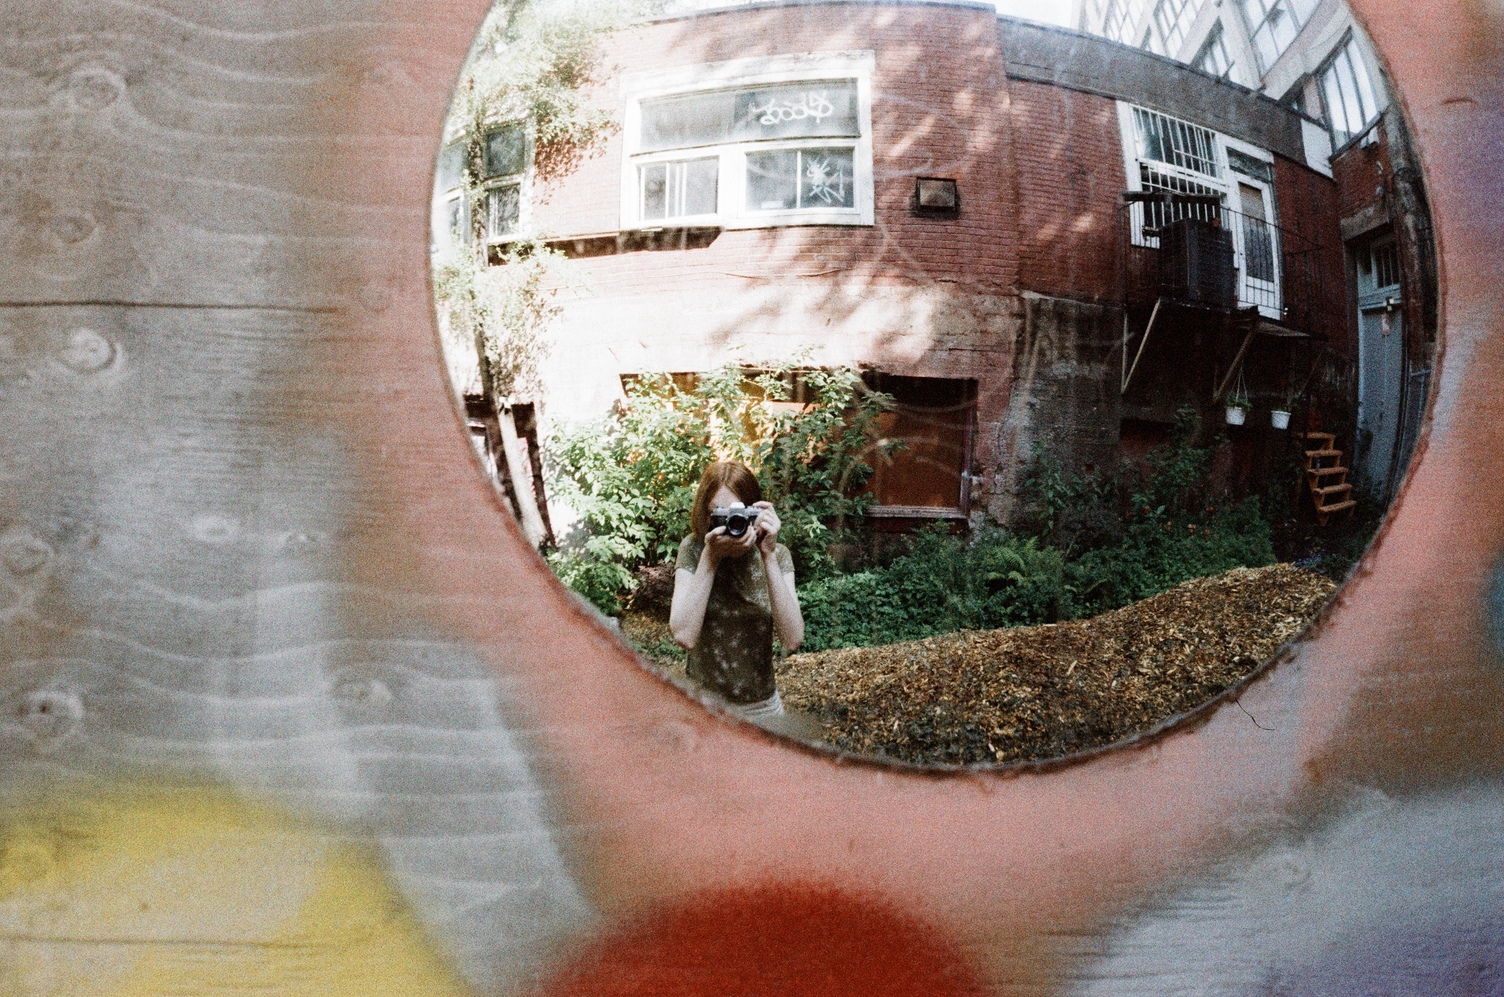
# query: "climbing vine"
533, 63
502, 314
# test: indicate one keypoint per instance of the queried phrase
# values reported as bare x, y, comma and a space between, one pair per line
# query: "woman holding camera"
733, 586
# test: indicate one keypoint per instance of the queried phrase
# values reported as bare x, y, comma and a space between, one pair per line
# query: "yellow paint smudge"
146, 891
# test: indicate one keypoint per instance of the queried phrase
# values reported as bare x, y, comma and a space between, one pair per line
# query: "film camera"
737, 519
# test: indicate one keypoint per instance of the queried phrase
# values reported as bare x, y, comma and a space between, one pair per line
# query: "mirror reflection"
943, 382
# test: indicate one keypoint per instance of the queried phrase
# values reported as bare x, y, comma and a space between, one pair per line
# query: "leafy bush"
631, 477
500, 314
940, 584
1158, 553
1137, 532
1089, 544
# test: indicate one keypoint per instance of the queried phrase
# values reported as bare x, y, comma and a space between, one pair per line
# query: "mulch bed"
1042, 692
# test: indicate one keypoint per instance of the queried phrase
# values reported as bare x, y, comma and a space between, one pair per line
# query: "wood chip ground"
1042, 692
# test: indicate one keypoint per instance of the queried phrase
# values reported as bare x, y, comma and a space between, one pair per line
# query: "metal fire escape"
1190, 252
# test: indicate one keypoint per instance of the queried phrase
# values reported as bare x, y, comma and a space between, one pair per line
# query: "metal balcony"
1191, 249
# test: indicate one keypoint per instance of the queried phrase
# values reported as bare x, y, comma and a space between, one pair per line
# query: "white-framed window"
504, 162
499, 206
1273, 25
1213, 58
1117, 20
1349, 101
750, 144
1229, 184
450, 224
1173, 18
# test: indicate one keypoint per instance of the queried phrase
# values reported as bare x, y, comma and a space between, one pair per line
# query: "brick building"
1031, 237
1311, 56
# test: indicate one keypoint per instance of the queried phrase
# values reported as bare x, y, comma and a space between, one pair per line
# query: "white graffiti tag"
824, 181
810, 105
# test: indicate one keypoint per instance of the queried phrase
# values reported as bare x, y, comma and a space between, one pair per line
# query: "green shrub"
1159, 553
939, 585
631, 477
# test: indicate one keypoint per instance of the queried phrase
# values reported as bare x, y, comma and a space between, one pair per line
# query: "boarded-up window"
932, 418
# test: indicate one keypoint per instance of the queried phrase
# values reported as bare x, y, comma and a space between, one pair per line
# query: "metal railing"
1192, 248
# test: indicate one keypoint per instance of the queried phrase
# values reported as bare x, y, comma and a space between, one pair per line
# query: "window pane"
1283, 27
825, 178
1365, 81
654, 191
504, 151
1258, 237
1335, 107
1352, 104
1264, 45
1249, 166
1174, 18
1346, 85
504, 207
454, 214
772, 180
1386, 266
679, 189
1169, 140
452, 166
932, 417
787, 110
700, 177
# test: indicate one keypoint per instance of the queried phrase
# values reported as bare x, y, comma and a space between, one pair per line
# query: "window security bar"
1279, 271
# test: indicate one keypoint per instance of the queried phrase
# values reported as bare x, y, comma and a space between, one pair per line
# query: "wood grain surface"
279, 671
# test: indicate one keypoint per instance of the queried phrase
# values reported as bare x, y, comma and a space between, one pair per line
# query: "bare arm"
788, 620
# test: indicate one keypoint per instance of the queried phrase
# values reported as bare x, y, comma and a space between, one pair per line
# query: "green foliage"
1071, 512
940, 584
663, 650
1159, 553
631, 478
536, 62
1090, 543
1172, 529
1174, 480
813, 462
501, 313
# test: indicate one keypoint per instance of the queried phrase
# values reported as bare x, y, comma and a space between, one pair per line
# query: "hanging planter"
1238, 403
1280, 418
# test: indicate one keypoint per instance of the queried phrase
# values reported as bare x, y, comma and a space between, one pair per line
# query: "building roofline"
1058, 56
1169, 61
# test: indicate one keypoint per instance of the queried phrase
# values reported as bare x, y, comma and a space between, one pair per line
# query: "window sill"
914, 512
637, 240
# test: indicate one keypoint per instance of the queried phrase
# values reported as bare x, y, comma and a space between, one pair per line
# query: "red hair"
732, 474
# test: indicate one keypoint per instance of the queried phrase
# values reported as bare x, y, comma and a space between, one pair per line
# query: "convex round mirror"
932, 381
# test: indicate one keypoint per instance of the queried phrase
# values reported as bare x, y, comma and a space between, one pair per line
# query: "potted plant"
1279, 418
1237, 408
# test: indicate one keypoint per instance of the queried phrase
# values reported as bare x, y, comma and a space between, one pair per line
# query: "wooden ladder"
1331, 492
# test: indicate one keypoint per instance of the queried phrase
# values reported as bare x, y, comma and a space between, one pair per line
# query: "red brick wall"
1361, 174
939, 109
1309, 206
1068, 162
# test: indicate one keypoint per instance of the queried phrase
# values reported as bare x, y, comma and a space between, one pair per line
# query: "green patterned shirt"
734, 656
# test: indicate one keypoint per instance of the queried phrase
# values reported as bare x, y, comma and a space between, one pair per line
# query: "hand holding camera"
736, 529
732, 532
